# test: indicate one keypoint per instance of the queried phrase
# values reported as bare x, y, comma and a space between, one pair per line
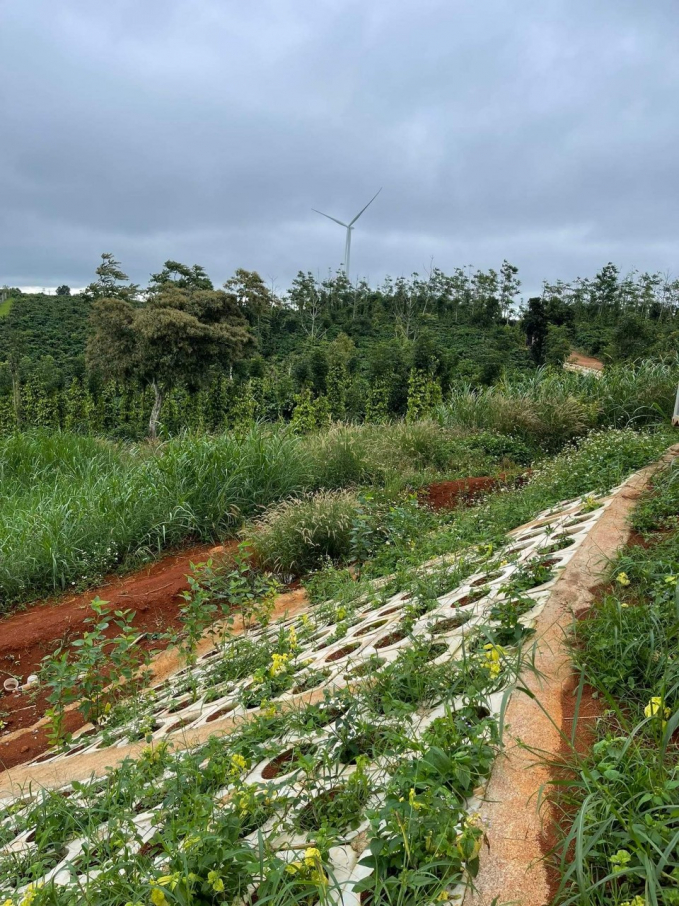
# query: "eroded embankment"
515, 813
153, 593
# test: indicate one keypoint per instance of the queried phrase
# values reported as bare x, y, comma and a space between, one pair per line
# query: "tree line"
182, 353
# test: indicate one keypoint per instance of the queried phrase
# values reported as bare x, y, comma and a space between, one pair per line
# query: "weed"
94, 670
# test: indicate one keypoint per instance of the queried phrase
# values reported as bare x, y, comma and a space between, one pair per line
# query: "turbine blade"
345, 225
351, 222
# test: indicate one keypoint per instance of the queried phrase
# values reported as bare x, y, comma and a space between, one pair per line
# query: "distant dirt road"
584, 362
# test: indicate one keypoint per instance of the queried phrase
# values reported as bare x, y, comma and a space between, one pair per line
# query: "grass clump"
300, 535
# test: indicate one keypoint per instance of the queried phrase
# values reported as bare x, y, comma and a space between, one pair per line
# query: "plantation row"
545, 406
122, 410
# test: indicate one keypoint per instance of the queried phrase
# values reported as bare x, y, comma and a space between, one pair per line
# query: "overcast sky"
543, 131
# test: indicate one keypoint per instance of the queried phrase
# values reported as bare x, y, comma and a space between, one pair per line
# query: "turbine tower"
348, 227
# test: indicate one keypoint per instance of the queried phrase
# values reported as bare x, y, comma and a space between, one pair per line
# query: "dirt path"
578, 362
27, 636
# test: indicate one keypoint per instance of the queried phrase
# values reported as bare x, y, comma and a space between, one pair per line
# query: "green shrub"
300, 535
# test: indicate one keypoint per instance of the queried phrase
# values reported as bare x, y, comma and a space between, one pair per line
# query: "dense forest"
325, 349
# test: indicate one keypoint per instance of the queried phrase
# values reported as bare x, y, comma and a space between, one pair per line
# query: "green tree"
632, 337
605, 290
535, 324
63, 290
341, 353
424, 394
178, 335
253, 298
557, 345
304, 414
180, 276
111, 282
509, 287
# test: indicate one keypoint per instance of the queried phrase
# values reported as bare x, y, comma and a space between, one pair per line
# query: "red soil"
153, 593
586, 361
589, 709
446, 495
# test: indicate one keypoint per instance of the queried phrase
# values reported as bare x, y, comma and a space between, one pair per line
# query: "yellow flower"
215, 881
411, 800
622, 579
443, 897
305, 620
655, 707
493, 663
238, 763
670, 580
638, 900
158, 898
30, 895
341, 613
170, 881
312, 857
318, 877
10, 903
293, 868
292, 638
279, 663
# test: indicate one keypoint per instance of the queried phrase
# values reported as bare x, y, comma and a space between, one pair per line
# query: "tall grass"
73, 508
551, 407
404, 454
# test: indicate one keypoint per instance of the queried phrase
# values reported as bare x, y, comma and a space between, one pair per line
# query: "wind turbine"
348, 227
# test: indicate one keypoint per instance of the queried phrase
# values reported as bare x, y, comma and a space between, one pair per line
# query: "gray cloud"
205, 130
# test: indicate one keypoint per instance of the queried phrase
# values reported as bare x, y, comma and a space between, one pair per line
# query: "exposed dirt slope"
27, 636
446, 495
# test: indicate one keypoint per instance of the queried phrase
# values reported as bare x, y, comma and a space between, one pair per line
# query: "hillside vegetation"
324, 350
